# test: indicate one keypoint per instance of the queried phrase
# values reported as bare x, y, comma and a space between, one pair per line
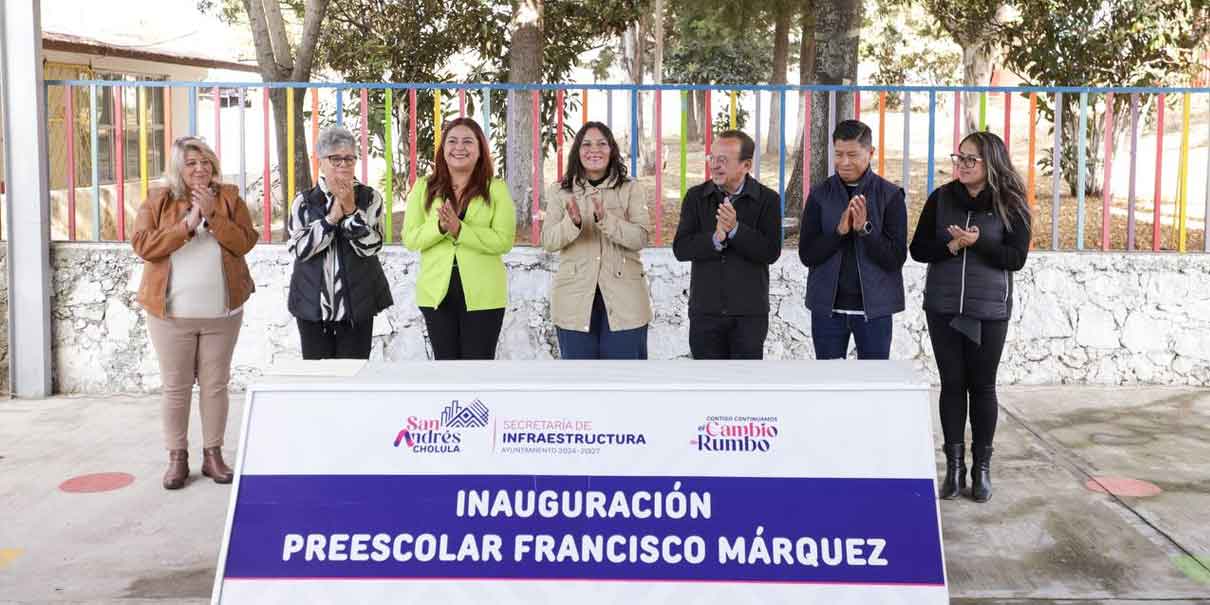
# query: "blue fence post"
192, 92
634, 132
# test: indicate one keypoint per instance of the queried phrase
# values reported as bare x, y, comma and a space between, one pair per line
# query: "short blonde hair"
176, 162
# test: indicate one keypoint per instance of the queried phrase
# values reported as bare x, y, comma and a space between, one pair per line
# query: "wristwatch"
866, 229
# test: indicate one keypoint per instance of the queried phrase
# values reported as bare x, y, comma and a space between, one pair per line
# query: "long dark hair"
441, 184
575, 170
1003, 180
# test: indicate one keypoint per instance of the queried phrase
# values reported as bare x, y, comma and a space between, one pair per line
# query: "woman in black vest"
974, 233
335, 231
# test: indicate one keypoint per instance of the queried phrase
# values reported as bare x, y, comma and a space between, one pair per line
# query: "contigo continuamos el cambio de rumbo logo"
442, 435
736, 434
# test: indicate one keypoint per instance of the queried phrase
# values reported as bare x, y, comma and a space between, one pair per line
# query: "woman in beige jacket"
597, 220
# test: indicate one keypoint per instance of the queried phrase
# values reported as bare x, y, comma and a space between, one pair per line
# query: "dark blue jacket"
879, 255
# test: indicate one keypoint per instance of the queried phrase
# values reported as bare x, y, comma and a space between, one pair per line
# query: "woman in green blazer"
461, 221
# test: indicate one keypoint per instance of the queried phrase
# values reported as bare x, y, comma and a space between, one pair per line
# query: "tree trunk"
693, 131
302, 161
806, 69
976, 71
525, 66
781, 52
836, 36
278, 62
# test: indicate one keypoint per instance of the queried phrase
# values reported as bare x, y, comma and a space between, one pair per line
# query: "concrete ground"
1044, 538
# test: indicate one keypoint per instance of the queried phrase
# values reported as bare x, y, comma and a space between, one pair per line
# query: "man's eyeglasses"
720, 158
966, 161
342, 160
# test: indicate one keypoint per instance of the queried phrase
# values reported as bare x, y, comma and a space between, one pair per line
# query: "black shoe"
955, 471
981, 477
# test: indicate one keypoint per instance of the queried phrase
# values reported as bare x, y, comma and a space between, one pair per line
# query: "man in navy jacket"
854, 242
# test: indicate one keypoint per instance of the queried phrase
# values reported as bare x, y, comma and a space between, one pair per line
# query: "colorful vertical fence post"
1182, 198
1159, 174
781, 158
1031, 193
882, 132
709, 127
142, 115
93, 136
659, 168
167, 119
1056, 176
559, 134
340, 107
437, 125
583, 107
69, 114
857, 104
290, 158
388, 150
756, 152
192, 92
535, 217
218, 128
119, 126
243, 145
1206, 218
266, 178
806, 148
907, 140
957, 119
634, 133
932, 142
609, 108
733, 103
831, 129
1107, 181
684, 136
1008, 123
365, 135
1082, 169
487, 114
1134, 164
461, 103
314, 136
983, 110
413, 117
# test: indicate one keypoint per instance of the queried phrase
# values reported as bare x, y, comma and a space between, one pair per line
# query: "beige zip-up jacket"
601, 255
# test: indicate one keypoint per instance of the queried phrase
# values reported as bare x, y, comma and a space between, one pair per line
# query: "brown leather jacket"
159, 231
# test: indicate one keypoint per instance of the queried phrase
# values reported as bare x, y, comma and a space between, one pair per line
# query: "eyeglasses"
966, 161
341, 160
723, 160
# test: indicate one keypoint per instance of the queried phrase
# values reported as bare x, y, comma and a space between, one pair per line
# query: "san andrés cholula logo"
736, 434
442, 435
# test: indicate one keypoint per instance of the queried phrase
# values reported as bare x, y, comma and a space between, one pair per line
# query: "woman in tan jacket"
597, 220
192, 236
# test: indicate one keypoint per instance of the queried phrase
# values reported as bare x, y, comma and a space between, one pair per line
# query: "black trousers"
456, 333
728, 336
335, 340
968, 378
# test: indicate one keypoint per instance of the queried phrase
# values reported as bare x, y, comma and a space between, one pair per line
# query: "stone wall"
1080, 317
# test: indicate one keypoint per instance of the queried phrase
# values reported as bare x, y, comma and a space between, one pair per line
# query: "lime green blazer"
487, 233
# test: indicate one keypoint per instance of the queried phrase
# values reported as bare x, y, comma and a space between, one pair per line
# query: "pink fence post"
659, 172
267, 180
534, 226
559, 134
1107, 184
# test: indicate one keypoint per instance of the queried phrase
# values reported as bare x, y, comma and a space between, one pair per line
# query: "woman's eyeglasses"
966, 161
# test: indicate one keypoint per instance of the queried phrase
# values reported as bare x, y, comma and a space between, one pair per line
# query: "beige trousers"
192, 350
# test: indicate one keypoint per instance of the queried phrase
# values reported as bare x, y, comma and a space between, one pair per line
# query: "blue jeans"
600, 342
830, 333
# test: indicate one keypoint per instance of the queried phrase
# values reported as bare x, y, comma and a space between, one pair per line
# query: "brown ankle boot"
214, 467
178, 469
